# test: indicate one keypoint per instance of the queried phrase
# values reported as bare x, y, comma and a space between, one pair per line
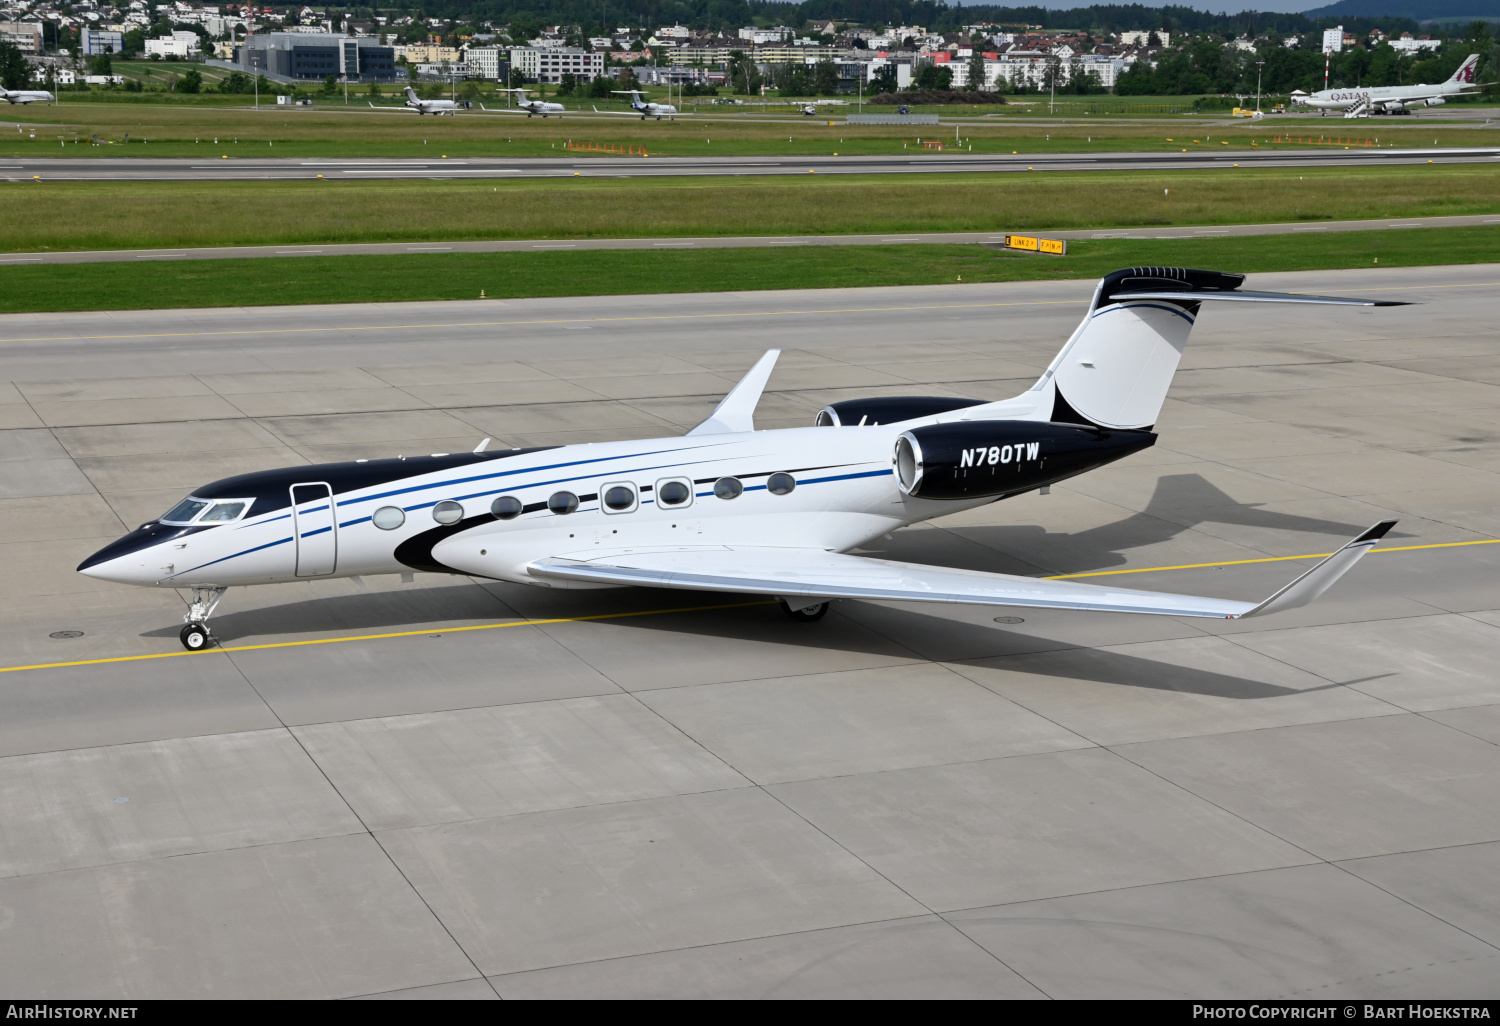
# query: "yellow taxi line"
682, 609
1268, 559
376, 637
552, 320
650, 317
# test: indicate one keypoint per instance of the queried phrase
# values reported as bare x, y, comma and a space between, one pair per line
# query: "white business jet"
420, 106
26, 96
728, 508
527, 107
645, 108
1358, 103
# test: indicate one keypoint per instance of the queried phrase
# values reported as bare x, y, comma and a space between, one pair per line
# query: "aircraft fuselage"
439, 513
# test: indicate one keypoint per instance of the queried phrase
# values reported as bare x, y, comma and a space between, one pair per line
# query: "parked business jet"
645, 108
26, 96
527, 107
1359, 103
726, 507
420, 106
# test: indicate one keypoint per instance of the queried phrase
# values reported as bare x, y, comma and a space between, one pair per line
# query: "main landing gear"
195, 635
805, 611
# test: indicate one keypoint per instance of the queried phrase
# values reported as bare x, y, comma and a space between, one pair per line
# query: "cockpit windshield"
222, 513
205, 511
184, 511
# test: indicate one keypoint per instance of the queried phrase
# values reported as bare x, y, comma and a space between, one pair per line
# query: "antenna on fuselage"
481, 445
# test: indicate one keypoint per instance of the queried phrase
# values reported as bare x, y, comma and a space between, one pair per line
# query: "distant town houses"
291, 44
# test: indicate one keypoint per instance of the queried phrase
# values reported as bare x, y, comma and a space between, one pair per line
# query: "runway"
456, 788
125, 169
993, 239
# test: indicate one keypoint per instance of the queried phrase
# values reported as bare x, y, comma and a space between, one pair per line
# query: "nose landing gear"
195, 636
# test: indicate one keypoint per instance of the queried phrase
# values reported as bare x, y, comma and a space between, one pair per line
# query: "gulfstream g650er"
726, 507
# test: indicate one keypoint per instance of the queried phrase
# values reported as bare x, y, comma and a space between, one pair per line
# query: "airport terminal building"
306, 57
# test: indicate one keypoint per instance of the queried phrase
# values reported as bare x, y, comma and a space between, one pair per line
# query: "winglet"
736, 412
1321, 577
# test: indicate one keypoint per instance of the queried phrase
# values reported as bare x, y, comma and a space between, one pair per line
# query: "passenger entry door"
314, 529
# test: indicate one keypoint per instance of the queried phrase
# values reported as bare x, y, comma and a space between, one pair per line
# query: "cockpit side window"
184, 511
224, 512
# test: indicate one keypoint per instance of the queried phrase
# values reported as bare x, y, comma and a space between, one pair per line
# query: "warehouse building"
304, 57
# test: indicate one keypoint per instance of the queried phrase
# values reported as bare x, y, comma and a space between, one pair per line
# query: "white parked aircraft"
420, 106
726, 507
528, 107
26, 96
1358, 103
645, 108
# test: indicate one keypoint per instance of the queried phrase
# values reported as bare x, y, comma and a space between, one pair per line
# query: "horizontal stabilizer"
1254, 297
816, 574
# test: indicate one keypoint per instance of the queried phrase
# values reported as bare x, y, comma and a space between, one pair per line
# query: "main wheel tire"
195, 637
807, 614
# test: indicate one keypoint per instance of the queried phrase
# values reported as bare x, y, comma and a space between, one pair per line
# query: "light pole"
1259, 65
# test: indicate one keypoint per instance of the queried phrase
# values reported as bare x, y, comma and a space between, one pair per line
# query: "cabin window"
507, 507
223, 513
673, 493
618, 498
728, 488
388, 518
447, 512
780, 484
562, 502
184, 511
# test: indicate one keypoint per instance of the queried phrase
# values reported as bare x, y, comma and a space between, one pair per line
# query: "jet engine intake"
889, 409
976, 459
1435, 101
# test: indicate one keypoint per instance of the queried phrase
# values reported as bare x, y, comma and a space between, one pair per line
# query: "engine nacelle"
981, 458
1435, 101
889, 409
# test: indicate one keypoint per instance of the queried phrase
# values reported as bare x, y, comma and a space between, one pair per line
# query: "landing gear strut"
804, 610
195, 636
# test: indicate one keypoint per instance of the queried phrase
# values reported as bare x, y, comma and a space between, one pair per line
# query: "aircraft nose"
126, 560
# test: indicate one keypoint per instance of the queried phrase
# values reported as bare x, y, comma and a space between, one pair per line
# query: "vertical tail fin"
1465, 73
411, 94
1116, 369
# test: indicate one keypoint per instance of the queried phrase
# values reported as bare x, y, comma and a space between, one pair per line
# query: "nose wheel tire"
195, 637
806, 614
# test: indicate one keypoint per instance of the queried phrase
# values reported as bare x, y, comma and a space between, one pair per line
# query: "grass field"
227, 125
385, 279
143, 215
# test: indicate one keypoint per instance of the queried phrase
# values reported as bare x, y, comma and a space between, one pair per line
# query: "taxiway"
455, 788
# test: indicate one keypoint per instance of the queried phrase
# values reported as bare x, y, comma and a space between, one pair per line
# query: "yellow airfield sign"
1033, 244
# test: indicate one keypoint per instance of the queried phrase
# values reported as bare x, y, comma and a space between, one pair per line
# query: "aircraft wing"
501, 110
397, 110
816, 574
